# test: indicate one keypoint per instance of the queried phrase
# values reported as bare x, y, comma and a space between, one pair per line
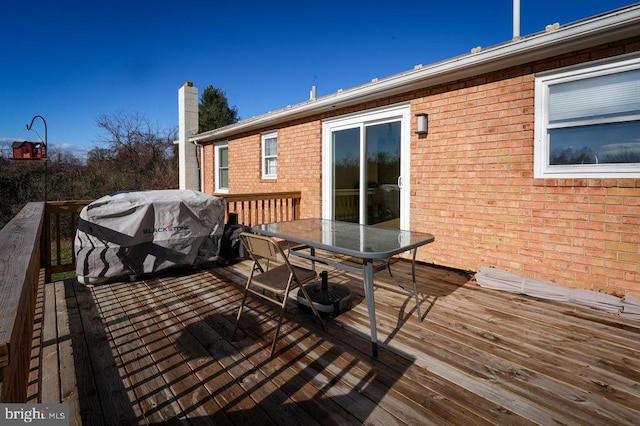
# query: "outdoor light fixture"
422, 120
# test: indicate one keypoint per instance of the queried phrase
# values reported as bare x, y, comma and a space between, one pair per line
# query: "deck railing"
41, 236
61, 218
61, 221
20, 243
256, 209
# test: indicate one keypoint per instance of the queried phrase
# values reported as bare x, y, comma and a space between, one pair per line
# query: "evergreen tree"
214, 110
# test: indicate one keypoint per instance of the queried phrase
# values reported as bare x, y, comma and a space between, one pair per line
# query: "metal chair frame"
278, 281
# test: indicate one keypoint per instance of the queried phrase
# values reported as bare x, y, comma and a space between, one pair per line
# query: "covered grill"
140, 232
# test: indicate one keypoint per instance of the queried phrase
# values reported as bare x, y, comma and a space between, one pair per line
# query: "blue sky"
72, 61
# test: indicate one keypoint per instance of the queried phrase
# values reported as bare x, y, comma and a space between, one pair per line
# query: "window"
270, 155
222, 167
587, 121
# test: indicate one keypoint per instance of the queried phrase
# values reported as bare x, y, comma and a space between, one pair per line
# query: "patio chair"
272, 277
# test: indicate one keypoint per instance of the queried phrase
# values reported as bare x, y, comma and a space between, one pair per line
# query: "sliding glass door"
346, 174
365, 170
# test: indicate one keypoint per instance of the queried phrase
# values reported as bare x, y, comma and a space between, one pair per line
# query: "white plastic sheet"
630, 307
502, 280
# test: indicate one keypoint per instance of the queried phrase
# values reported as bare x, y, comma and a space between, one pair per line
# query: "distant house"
527, 157
26, 150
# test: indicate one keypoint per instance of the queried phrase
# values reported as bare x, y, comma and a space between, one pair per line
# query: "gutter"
612, 26
197, 149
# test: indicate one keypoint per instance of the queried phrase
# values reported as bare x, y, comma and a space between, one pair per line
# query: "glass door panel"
363, 167
382, 145
346, 174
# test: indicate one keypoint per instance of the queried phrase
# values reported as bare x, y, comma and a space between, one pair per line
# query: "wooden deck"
159, 351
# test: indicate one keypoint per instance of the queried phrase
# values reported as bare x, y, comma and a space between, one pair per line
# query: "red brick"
472, 183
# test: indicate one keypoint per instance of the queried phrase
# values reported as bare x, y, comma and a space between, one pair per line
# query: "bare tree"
140, 150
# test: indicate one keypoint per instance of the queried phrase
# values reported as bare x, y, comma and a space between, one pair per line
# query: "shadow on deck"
159, 351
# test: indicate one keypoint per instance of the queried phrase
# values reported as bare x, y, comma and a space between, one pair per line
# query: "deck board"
117, 400
160, 350
50, 378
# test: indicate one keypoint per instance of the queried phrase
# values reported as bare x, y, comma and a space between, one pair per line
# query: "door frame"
401, 112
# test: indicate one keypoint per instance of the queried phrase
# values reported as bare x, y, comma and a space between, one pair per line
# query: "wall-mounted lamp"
422, 121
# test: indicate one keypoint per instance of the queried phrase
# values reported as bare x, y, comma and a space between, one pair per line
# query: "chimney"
187, 127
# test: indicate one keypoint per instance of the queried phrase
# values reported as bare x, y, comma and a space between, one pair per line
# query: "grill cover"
140, 232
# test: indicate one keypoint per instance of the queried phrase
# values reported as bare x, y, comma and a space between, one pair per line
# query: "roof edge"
607, 27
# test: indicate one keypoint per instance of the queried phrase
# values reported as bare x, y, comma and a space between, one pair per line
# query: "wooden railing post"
46, 244
63, 212
19, 277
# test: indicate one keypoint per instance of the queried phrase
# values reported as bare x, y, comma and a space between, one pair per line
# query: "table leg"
367, 272
415, 286
313, 255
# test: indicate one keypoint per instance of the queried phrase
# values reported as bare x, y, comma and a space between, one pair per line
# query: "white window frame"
217, 148
543, 81
400, 112
265, 157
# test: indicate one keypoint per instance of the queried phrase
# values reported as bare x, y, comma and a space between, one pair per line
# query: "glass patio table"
372, 245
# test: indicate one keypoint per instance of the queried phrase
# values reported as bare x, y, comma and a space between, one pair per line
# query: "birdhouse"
28, 150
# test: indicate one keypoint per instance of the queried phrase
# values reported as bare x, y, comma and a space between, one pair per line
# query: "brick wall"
472, 184
472, 177
299, 165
